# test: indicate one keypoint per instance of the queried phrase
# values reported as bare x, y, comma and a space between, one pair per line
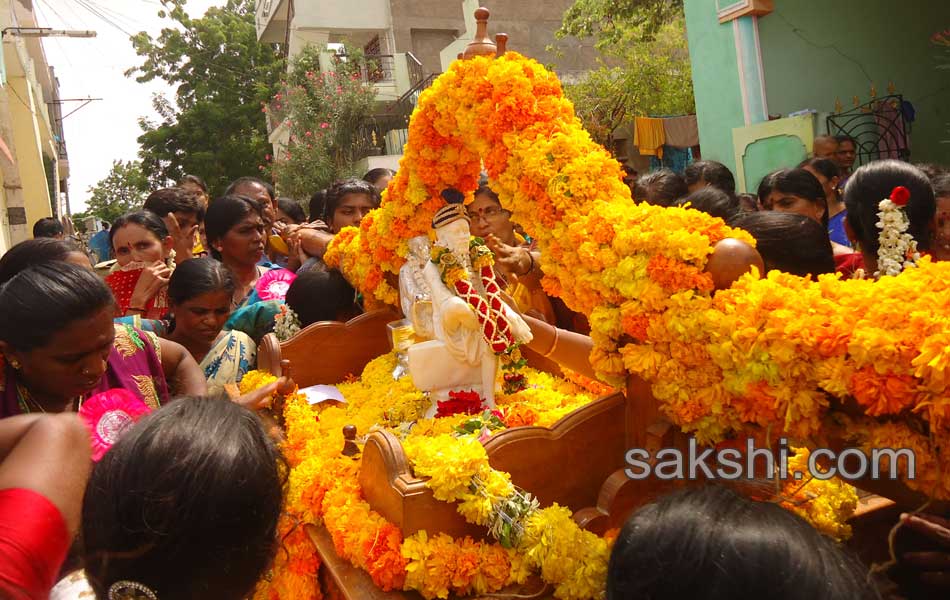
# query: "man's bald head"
825, 146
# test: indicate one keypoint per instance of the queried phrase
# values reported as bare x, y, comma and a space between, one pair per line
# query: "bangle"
530, 266
553, 345
136, 309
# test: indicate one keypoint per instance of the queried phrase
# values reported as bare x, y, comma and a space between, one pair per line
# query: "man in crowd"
825, 146
48, 227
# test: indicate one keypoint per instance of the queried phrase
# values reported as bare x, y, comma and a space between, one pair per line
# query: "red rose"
900, 195
460, 402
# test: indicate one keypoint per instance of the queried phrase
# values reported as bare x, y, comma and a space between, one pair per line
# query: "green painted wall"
712, 50
766, 155
816, 50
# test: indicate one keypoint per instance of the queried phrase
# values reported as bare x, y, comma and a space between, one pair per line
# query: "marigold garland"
323, 488
780, 352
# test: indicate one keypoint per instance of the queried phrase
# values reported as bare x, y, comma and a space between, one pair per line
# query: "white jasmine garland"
898, 249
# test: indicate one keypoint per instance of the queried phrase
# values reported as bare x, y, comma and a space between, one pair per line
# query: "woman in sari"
59, 346
517, 261
234, 227
200, 292
142, 248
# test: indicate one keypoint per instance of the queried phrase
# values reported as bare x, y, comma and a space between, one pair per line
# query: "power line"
56, 40
118, 16
96, 12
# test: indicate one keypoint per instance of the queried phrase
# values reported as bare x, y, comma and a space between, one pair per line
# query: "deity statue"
454, 296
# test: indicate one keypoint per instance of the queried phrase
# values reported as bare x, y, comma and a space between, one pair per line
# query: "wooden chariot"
577, 463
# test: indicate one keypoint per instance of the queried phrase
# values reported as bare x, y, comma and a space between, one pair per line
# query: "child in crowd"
321, 294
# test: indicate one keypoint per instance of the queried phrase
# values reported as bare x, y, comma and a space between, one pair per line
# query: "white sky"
106, 130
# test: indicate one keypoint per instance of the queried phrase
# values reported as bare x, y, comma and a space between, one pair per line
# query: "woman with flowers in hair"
908, 188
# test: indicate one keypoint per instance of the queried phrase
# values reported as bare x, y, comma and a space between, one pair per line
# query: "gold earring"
15, 364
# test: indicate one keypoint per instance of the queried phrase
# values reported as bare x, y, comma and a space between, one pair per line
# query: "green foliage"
645, 70
615, 22
324, 113
123, 190
214, 127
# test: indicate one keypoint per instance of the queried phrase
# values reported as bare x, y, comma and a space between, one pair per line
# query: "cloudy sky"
105, 130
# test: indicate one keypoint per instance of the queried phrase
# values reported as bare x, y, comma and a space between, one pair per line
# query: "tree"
224, 76
644, 67
123, 190
325, 113
616, 22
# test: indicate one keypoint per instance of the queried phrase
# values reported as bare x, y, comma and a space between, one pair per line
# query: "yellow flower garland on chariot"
778, 351
323, 488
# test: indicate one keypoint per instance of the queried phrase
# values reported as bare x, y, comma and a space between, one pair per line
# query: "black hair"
224, 213
842, 138
34, 252
47, 227
142, 218
320, 294
198, 181
662, 187
343, 187
874, 182
292, 209
765, 187
45, 298
789, 242
198, 276
185, 503
241, 181
714, 173
711, 543
748, 203
318, 205
172, 200
825, 166
941, 185
931, 170
485, 190
374, 175
801, 183
713, 201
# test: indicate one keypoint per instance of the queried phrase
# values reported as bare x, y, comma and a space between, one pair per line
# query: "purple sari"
134, 364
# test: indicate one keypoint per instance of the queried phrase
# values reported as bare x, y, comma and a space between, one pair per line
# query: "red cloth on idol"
33, 544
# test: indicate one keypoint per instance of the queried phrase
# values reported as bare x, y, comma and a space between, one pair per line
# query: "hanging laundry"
649, 136
681, 132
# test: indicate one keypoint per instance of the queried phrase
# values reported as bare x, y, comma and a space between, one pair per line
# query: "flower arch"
779, 352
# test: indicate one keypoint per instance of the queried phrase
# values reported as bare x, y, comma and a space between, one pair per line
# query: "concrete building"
413, 40
33, 159
866, 68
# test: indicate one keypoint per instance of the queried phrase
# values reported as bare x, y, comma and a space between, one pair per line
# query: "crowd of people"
185, 503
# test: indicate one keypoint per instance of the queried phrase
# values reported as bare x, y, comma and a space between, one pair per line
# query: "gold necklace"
26, 395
